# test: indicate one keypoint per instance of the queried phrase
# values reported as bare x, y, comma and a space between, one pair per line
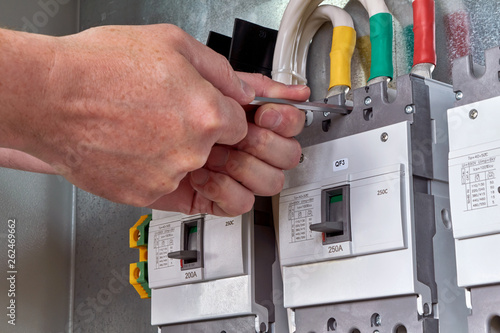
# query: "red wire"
424, 30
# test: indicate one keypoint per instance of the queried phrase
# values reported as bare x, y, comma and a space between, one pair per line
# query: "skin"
145, 116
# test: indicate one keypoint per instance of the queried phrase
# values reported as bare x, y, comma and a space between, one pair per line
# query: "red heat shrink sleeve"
424, 31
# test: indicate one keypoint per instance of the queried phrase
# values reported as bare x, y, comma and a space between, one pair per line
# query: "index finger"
266, 87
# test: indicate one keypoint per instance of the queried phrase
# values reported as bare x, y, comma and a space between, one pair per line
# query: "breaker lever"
327, 227
183, 255
306, 106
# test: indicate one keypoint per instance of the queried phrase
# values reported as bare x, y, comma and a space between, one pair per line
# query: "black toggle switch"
191, 244
184, 255
328, 227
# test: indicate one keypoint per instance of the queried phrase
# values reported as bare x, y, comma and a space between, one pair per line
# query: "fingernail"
200, 176
270, 119
248, 89
218, 156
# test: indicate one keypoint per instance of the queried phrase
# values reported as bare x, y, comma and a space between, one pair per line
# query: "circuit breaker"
474, 167
212, 274
362, 240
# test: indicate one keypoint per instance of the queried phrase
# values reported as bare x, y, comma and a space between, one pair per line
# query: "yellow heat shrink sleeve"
343, 43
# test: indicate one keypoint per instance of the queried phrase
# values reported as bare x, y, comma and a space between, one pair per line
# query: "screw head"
301, 158
368, 101
459, 95
473, 114
427, 309
384, 137
378, 320
326, 113
409, 109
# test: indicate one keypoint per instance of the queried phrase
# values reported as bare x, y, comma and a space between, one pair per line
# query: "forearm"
25, 64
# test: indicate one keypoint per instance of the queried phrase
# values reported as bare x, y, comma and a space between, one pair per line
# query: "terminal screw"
473, 114
301, 158
368, 101
409, 109
427, 309
326, 113
459, 95
384, 137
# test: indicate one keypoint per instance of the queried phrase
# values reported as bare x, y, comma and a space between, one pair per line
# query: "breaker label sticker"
300, 216
341, 164
478, 178
163, 243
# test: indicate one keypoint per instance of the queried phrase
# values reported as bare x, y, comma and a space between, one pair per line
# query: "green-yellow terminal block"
139, 232
138, 239
139, 278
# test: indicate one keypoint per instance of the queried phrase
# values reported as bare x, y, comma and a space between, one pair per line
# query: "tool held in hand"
306, 106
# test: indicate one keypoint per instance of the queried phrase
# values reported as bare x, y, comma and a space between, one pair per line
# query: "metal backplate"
395, 314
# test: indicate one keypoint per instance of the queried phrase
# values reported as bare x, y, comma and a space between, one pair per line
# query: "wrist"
26, 61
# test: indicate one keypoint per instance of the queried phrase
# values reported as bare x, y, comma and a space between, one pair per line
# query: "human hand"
226, 185
126, 112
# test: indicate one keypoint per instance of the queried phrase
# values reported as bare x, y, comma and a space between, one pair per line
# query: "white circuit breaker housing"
209, 273
474, 167
362, 243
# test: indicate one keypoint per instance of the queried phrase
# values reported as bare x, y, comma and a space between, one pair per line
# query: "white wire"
321, 15
374, 6
283, 66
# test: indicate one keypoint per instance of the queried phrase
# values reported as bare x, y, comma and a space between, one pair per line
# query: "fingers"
256, 175
217, 70
278, 151
232, 126
266, 87
284, 120
220, 194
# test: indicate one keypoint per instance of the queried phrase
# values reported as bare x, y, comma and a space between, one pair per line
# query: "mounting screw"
376, 331
409, 109
301, 158
368, 101
384, 137
473, 114
427, 309
459, 95
326, 113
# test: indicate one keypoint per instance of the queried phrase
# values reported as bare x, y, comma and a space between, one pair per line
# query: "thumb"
214, 68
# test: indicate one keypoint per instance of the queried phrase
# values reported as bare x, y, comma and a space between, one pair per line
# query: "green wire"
381, 40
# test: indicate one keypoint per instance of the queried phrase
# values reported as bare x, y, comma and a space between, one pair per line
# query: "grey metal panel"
41, 206
48, 17
104, 299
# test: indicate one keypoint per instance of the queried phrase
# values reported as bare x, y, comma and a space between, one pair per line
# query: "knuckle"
259, 143
190, 162
225, 70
